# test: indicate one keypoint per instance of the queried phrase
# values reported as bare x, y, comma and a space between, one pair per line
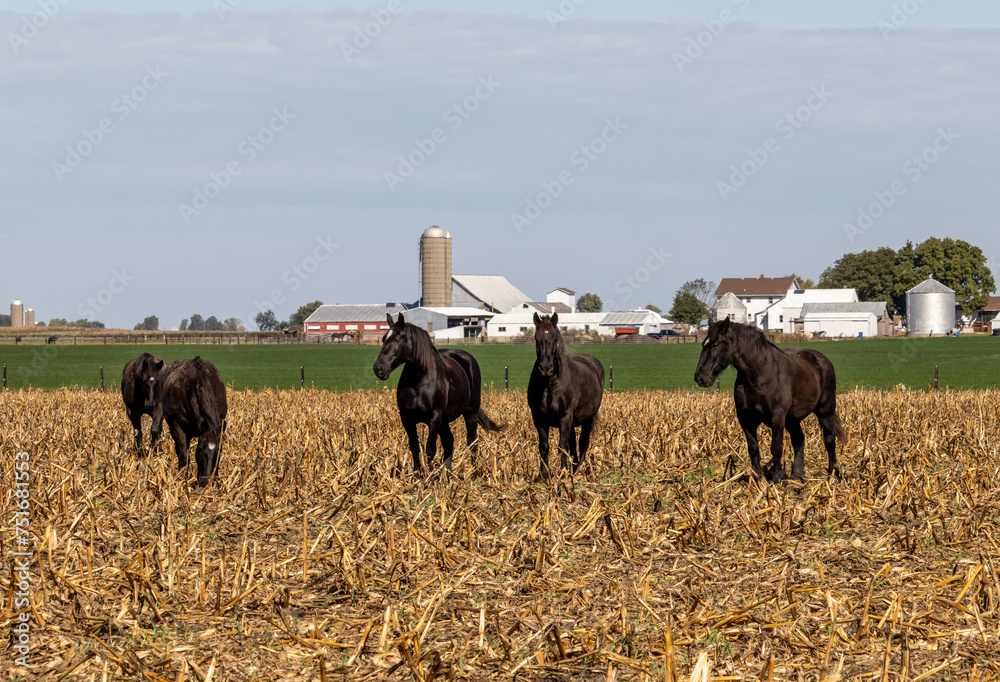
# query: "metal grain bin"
930, 309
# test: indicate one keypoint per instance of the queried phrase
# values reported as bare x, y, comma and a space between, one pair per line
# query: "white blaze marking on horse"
388, 335
211, 446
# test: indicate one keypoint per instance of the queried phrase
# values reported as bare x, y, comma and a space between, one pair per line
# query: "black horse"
564, 391
140, 389
778, 387
194, 404
436, 388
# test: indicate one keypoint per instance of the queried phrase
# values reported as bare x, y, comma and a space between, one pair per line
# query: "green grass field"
964, 362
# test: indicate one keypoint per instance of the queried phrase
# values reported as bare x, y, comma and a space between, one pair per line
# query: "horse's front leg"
749, 424
543, 452
567, 440
414, 441
777, 448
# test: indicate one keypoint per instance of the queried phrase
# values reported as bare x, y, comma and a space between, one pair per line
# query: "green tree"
150, 324
184, 325
701, 289
957, 264
58, 322
4, 320
212, 324
40, 323
652, 307
234, 324
298, 318
197, 323
688, 308
589, 303
879, 275
266, 321
86, 324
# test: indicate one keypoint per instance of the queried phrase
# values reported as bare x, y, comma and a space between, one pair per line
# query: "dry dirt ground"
306, 559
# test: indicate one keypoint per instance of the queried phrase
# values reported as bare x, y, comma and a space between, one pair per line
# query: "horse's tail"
838, 429
486, 422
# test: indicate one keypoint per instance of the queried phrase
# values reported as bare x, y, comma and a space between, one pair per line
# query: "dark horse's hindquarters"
140, 378
194, 405
777, 387
435, 388
564, 391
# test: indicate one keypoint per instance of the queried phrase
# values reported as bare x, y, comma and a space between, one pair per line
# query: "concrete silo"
16, 314
29, 318
435, 268
930, 309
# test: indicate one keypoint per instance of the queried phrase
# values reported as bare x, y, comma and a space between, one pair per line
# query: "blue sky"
160, 160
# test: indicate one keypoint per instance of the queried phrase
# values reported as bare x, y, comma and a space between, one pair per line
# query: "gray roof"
493, 290
879, 308
630, 317
930, 286
729, 301
545, 308
354, 313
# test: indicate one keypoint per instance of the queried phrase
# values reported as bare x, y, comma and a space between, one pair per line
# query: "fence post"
303, 370
506, 377
718, 385
5, 376
611, 377
935, 377
102, 377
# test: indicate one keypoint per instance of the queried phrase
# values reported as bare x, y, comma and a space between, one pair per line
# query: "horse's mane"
748, 338
424, 351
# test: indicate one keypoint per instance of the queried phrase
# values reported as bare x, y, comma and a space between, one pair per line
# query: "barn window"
781, 318
501, 329
333, 327
524, 329
371, 326
350, 326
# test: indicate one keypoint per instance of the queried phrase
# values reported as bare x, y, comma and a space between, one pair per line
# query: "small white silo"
930, 309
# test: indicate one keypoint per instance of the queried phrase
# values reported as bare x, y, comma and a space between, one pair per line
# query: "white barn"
782, 314
449, 323
521, 320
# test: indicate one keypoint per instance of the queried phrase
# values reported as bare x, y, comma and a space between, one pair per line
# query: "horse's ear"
388, 318
158, 365
400, 321
538, 320
555, 319
724, 325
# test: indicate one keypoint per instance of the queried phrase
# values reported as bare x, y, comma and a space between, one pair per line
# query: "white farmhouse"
756, 294
782, 314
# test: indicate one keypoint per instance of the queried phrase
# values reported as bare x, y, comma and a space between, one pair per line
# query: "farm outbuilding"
449, 323
930, 309
489, 292
846, 319
729, 306
355, 319
521, 320
641, 321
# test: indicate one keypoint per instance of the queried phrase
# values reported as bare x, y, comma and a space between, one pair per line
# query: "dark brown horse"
194, 404
777, 387
436, 388
140, 389
564, 391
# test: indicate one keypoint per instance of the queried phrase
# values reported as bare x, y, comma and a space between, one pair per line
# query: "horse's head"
397, 347
149, 374
717, 352
548, 344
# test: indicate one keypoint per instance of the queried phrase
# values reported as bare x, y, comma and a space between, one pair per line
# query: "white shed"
843, 324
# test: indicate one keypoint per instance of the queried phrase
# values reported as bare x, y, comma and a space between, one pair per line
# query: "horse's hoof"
542, 478
778, 476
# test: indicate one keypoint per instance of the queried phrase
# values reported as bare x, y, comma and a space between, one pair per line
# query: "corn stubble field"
306, 559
